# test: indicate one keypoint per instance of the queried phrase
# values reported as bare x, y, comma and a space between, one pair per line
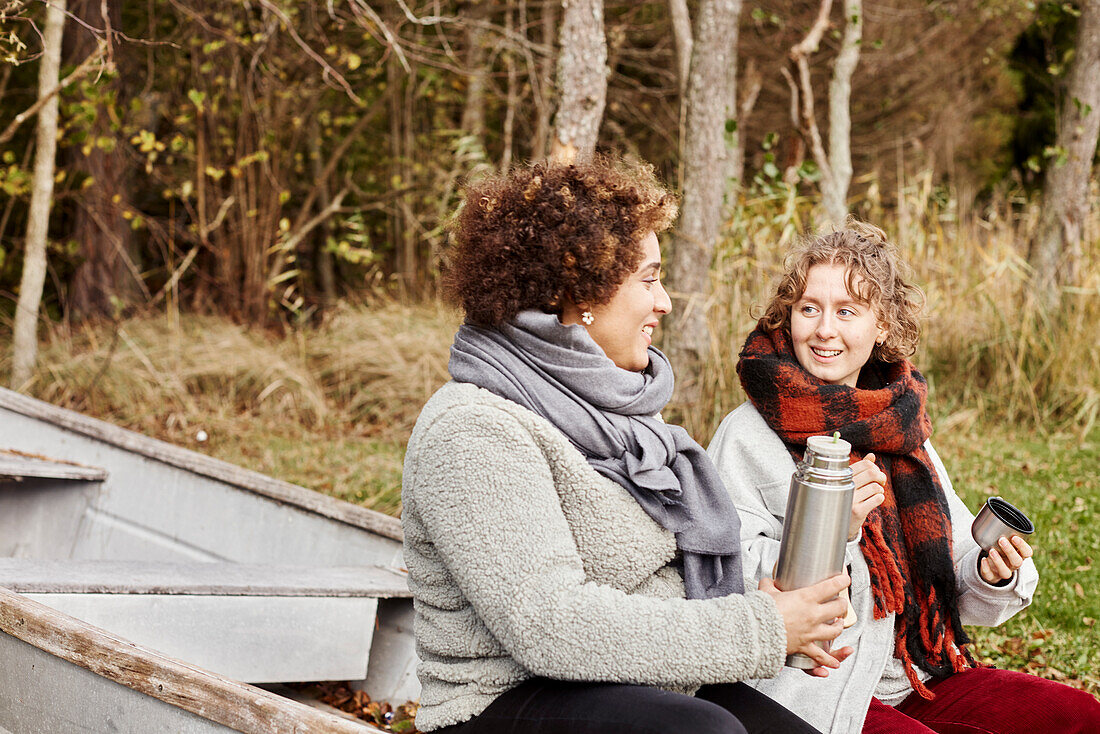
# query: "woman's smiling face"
833, 331
623, 327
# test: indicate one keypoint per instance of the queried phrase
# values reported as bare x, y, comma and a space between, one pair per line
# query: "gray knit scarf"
610, 415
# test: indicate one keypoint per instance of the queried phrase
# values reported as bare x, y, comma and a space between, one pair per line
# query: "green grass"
1055, 481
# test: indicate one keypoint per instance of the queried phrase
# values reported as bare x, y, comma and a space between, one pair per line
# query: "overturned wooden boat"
146, 587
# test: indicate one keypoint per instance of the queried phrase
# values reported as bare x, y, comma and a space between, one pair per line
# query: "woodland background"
246, 216
262, 159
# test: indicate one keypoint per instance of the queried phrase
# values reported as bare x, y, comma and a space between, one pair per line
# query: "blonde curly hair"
877, 276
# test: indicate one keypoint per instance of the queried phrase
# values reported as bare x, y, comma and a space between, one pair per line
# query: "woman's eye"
846, 312
807, 309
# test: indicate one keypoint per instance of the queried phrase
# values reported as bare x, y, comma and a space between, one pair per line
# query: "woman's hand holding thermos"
870, 492
810, 614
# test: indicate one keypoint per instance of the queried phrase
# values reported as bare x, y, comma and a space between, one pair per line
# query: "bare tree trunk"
684, 41
1056, 248
582, 79
802, 95
473, 109
751, 83
681, 35
840, 118
323, 261
401, 216
410, 239
540, 143
705, 171
512, 96
25, 336
108, 273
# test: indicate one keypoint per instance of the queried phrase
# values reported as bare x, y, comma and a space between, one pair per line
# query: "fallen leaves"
400, 720
1028, 653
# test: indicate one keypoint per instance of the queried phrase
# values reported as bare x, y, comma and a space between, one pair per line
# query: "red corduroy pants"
989, 701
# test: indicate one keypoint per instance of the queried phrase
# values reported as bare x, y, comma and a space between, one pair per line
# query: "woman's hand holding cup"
1004, 559
870, 492
999, 530
811, 614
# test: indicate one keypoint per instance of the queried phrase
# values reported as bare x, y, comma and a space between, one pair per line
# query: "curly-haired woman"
830, 354
575, 562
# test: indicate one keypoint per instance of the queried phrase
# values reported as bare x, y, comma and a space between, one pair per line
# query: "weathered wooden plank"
236, 705
32, 575
18, 465
192, 461
40, 693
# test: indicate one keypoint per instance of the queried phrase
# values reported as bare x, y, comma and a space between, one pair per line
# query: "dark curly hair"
873, 262
546, 233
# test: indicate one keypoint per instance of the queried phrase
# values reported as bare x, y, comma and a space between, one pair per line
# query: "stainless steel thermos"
815, 530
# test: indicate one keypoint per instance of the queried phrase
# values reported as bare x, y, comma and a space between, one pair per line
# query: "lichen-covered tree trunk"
1055, 251
705, 169
25, 336
835, 195
582, 80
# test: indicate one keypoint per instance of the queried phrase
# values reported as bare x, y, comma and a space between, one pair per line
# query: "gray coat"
756, 467
523, 561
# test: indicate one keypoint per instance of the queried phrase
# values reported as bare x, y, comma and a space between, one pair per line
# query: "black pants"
543, 706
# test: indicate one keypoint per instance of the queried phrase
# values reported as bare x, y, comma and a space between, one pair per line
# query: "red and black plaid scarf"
907, 539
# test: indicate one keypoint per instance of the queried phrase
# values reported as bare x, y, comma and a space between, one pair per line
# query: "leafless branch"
427, 20
753, 82
805, 117
361, 7
338, 152
176, 275
810, 43
329, 71
793, 87
79, 73
218, 218
299, 234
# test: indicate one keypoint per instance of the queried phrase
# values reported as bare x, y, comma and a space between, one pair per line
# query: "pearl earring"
587, 318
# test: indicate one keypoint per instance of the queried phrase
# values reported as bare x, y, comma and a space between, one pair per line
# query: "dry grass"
156, 374
328, 407
370, 367
379, 364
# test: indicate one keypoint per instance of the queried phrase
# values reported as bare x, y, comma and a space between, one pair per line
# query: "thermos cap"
829, 446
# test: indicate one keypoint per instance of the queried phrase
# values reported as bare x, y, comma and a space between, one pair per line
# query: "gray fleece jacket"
523, 561
756, 468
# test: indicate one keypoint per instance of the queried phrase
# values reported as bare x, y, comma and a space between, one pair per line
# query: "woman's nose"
662, 303
826, 325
